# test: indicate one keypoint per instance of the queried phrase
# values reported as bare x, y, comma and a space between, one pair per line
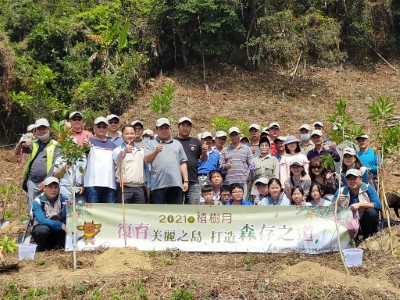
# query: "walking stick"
5, 201
121, 185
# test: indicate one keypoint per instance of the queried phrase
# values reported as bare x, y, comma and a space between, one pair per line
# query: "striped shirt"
240, 159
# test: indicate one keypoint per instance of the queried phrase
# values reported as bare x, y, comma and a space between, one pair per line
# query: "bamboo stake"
385, 206
336, 219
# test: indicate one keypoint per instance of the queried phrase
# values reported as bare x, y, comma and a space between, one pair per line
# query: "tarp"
272, 229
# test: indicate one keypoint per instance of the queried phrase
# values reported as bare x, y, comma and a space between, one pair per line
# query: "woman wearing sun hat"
293, 152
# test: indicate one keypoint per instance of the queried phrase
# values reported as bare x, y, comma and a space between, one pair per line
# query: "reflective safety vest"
50, 147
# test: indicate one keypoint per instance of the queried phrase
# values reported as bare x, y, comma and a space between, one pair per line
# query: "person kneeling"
363, 198
49, 213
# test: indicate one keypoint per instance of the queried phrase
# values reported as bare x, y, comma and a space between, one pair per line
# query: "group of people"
136, 166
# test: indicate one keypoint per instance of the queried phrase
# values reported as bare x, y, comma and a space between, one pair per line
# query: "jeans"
168, 195
33, 192
192, 195
47, 238
99, 194
132, 195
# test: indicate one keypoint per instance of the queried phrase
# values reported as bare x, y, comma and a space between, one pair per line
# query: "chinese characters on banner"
211, 228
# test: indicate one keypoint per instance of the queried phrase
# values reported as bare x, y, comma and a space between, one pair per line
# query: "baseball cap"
354, 172
184, 119
220, 133
318, 123
261, 180
163, 121
206, 134
137, 122
363, 136
291, 139
296, 162
244, 138
100, 120
112, 116
350, 151
75, 113
50, 180
305, 126
274, 124
30, 127
234, 129
148, 132
255, 126
280, 139
42, 122
317, 132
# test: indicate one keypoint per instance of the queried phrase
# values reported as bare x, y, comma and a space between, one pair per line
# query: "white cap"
297, 162
30, 127
318, 123
75, 113
42, 122
262, 180
163, 121
148, 132
255, 126
184, 119
350, 151
234, 129
206, 134
317, 132
112, 116
50, 180
363, 136
137, 122
220, 133
354, 172
274, 124
305, 126
280, 138
100, 120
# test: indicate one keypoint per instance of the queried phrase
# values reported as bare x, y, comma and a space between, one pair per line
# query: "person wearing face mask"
305, 143
40, 163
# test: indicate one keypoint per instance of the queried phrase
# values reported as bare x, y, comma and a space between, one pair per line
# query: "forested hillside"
57, 56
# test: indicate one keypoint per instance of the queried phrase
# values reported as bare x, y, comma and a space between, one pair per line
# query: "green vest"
51, 146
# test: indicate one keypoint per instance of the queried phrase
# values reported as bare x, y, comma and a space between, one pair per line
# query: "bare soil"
255, 97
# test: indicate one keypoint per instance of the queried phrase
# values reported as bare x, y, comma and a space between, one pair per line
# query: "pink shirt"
82, 135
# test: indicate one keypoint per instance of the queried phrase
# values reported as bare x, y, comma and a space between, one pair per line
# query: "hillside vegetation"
58, 56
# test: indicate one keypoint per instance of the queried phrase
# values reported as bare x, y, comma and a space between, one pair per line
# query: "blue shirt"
369, 159
244, 202
372, 195
283, 200
211, 164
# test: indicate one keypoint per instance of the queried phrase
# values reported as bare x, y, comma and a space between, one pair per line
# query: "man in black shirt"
193, 150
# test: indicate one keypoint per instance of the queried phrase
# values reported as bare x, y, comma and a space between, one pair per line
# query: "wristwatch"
186, 181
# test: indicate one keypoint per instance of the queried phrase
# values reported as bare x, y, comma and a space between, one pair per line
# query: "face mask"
43, 137
304, 136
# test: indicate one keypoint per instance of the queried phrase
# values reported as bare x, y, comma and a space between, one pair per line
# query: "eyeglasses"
101, 126
76, 119
113, 122
316, 167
